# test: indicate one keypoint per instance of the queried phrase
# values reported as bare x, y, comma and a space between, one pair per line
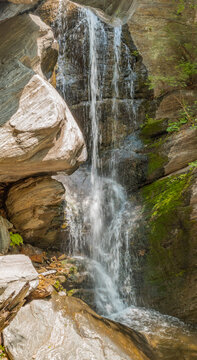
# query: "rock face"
5, 225
23, 1
38, 133
35, 206
167, 267
73, 77
68, 329
112, 10
15, 271
162, 33
9, 8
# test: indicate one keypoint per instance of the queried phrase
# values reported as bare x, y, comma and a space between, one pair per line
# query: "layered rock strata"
36, 208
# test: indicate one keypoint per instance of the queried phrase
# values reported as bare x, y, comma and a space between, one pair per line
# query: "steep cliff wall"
165, 36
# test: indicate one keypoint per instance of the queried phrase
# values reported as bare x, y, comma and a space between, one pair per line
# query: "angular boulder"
15, 271
37, 131
67, 328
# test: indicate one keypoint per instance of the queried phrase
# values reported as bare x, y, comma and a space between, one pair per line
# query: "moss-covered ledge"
166, 263
154, 141
154, 127
167, 211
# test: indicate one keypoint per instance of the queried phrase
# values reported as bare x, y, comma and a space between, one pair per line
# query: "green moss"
58, 287
73, 270
166, 194
153, 127
168, 227
156, 164
71, 292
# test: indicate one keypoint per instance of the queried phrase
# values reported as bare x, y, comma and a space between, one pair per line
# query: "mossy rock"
156, 163
155, 147
154, 127
167, 212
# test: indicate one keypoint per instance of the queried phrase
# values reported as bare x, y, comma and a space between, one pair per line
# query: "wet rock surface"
73, 76
67, 328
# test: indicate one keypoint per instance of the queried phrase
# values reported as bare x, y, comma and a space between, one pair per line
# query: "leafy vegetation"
2, 352
135, 53
179, 52
16, 239
187, 115
58, 287
193, 164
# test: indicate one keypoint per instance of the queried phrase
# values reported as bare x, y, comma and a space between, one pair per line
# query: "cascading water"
105, 209
98, 213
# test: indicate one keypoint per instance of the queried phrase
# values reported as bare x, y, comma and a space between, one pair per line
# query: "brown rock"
48, 11
44, 289
159, 33
36, 209
115, 11
62, 257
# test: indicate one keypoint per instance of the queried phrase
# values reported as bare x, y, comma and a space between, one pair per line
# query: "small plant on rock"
16, 239
193, 164
2, 352
187, 114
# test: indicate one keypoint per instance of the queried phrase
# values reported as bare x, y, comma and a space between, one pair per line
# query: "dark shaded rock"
166, 252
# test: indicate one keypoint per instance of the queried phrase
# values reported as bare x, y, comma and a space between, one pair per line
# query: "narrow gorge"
98, 180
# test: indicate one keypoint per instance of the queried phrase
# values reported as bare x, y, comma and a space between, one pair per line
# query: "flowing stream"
98, 212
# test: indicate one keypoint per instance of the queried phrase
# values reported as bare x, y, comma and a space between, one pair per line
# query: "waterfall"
98, 219
99, 216
107, 199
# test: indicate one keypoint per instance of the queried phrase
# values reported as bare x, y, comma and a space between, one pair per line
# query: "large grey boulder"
38, 133
66, 328
15, 271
